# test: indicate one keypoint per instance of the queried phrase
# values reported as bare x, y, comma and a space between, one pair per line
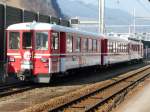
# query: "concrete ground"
139, 102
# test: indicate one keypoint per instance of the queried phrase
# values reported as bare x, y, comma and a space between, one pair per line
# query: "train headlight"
44, 60
11, 59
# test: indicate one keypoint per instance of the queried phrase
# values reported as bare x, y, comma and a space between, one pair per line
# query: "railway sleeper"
118, 98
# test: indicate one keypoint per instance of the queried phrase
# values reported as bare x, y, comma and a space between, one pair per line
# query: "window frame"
90, 47
47, 40
31, 40
78, 44
18, 42
69, 35
85, 44
58, 41
94, 41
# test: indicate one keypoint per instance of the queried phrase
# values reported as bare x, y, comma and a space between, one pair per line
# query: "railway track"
96, 100
15, 88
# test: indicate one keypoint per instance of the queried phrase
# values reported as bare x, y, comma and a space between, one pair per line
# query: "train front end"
27, 52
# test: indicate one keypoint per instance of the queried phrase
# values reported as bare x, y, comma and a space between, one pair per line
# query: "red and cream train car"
122, 50
40, 50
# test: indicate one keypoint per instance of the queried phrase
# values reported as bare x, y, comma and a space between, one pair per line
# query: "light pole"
101, 4
134, 24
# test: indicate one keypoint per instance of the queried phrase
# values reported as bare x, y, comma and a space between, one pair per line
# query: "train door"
104, 51
99, 50
41, 53
26, 54
129, 50
55, 51
63, 43
13, 51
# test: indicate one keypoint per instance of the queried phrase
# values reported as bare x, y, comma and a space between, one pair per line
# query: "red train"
40, 50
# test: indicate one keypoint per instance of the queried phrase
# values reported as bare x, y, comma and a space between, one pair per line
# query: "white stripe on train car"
17, 57
67, 54
11, 54
42, 54
49, 65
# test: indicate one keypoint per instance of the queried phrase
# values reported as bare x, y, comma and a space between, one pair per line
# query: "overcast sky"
142, 7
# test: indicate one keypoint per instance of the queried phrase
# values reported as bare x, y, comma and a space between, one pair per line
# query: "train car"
136, 50
121, 50
36, 51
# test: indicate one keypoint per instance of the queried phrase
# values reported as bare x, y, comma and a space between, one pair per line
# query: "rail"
15, 88
95, 99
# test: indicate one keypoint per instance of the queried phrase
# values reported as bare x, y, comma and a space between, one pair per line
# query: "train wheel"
21, 77
4, 74
3, 78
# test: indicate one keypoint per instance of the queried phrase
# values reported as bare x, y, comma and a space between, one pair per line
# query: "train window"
14, 40
114, 47
119, 47
27, 40
126, 47
98, 45
69, 42
78, 44
132, 47
85, 44
55, 40
90, 44
94, 45
110, 47
41, 41
122, 47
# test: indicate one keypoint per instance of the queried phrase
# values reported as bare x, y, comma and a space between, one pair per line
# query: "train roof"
121, 39
47, 26
112, 38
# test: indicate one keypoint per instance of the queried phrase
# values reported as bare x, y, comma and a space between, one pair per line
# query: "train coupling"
24, 74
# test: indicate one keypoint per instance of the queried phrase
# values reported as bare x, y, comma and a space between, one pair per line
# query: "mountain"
76, 8
46, 7
88, 11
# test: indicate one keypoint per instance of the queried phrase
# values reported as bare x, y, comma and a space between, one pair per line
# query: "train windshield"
27, 40
41, 41
14, 40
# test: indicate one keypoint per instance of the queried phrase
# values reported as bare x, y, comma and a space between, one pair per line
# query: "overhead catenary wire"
144, 6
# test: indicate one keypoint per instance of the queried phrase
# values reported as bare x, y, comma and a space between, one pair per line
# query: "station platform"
140, 102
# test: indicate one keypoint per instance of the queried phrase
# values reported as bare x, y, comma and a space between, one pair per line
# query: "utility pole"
134, 24
129, 29
101, 15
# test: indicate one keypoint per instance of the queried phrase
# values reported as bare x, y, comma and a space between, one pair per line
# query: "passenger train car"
122, 50
39, 50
